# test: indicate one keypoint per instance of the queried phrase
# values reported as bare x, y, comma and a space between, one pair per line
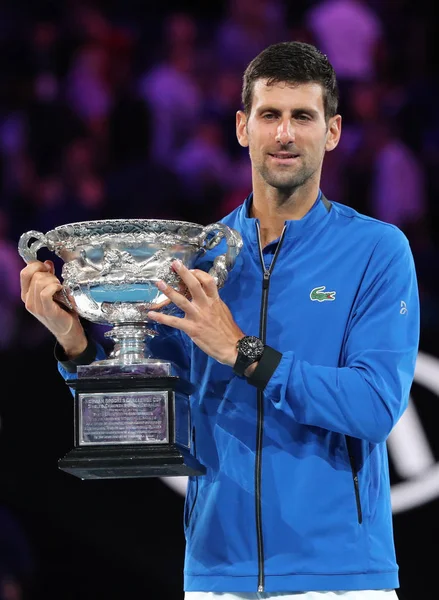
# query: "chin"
283, 184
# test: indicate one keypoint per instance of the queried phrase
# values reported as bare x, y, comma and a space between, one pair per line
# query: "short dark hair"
292, 62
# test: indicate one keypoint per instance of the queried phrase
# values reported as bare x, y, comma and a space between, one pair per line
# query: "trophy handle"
28, 253
223, 263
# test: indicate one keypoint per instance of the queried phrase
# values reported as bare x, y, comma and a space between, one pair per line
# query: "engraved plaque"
121, 418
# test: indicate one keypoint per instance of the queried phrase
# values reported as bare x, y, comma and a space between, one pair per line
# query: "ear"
334, 133
241, 128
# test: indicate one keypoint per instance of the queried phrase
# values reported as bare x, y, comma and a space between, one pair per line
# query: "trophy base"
130, 462
130, 421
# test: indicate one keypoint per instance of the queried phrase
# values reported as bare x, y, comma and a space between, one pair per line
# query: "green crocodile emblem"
320, 295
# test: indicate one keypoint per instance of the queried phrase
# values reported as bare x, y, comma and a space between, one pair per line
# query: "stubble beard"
286, 183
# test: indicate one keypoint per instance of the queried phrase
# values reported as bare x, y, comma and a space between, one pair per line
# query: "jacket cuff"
85, 358
266, 367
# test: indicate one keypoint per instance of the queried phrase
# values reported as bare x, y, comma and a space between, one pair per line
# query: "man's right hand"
38, 287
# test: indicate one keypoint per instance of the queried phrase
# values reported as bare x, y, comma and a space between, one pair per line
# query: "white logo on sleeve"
403, 310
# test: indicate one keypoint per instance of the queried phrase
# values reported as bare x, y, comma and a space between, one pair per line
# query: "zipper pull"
266, 280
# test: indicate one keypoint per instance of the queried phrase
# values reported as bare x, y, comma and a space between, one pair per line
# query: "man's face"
286, 133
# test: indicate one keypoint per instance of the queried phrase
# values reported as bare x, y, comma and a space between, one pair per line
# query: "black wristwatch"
250, 349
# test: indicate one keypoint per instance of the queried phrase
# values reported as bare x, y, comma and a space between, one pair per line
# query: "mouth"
283, 157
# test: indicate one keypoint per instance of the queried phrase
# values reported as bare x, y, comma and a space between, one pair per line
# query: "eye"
269, 116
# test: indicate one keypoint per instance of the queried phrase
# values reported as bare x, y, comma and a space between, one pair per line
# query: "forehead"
287, 96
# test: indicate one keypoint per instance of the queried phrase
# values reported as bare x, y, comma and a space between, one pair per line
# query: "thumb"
50, 266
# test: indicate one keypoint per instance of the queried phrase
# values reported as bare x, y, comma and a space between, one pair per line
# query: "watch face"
251, 346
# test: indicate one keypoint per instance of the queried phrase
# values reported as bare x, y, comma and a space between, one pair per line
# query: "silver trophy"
131, 413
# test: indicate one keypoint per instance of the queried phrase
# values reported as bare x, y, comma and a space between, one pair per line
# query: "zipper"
188, 520
354, 479
260, 407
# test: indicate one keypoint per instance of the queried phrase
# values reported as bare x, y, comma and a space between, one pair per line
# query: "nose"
285, 132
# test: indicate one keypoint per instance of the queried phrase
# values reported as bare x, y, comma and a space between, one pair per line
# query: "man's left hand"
207, 321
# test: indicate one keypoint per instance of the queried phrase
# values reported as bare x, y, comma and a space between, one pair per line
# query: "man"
291, 422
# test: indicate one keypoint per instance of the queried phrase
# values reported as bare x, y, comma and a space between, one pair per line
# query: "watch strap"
241, 364
266, 367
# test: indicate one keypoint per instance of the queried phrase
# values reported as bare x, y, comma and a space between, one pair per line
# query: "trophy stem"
130, 345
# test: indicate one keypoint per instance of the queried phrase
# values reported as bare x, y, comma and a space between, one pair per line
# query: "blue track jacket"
296, 495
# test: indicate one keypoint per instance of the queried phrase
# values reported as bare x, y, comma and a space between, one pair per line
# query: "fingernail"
177, 264
161, 285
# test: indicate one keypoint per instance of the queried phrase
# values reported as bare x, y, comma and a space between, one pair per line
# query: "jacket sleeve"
367, 393
68, 368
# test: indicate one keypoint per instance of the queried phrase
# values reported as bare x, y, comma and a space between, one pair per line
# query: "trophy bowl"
132, 410
111, 267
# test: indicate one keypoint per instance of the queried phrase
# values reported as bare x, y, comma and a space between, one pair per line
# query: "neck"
273, 208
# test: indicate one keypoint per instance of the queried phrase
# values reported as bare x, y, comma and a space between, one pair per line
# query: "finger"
27, 274
158, 317
47, 296
191, 282
207, 282
177, 298
40, 281
158, 306
50, 265
183, 289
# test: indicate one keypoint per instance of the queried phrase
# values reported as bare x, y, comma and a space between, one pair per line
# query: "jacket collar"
295, 229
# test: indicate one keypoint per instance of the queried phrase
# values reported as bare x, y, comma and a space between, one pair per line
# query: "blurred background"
126, 109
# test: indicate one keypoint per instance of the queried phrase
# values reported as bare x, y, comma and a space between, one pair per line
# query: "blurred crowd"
125, 110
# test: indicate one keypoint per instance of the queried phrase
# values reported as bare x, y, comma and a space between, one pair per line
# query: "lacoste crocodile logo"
320, 295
